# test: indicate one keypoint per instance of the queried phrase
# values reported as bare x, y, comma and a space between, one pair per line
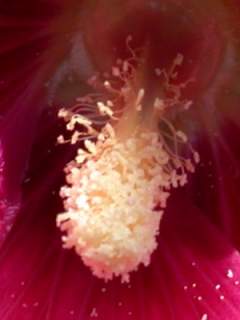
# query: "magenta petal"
16, 142
28, 56
217, 181
195, 271
203, 260
24, 72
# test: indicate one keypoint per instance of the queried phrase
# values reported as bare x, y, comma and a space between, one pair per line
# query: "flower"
194, 273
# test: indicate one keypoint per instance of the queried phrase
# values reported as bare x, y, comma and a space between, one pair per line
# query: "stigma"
118, 185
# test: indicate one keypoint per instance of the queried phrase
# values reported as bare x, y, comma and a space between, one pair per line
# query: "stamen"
117, 185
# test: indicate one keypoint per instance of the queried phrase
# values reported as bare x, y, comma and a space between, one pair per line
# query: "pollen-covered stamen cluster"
118, 184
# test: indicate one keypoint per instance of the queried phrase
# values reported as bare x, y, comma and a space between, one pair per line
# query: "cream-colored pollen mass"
118, 184
111, 217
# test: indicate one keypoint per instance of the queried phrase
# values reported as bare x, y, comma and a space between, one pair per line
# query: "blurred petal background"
48, 50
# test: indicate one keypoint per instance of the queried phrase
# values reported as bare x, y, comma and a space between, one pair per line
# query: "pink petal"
195, 270
217, 180
24, 72
40, 280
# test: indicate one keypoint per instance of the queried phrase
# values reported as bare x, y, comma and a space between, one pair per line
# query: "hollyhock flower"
49, 50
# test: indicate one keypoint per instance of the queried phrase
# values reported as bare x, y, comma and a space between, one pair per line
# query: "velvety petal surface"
28, 57
195, 272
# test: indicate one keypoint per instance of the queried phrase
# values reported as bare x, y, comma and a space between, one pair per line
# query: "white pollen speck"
199, 298
185, 287
94, 313
158, 72
236, 282
103, 289
218, 286
204, 317
194, 264
221, 297
194, 285
230, 274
